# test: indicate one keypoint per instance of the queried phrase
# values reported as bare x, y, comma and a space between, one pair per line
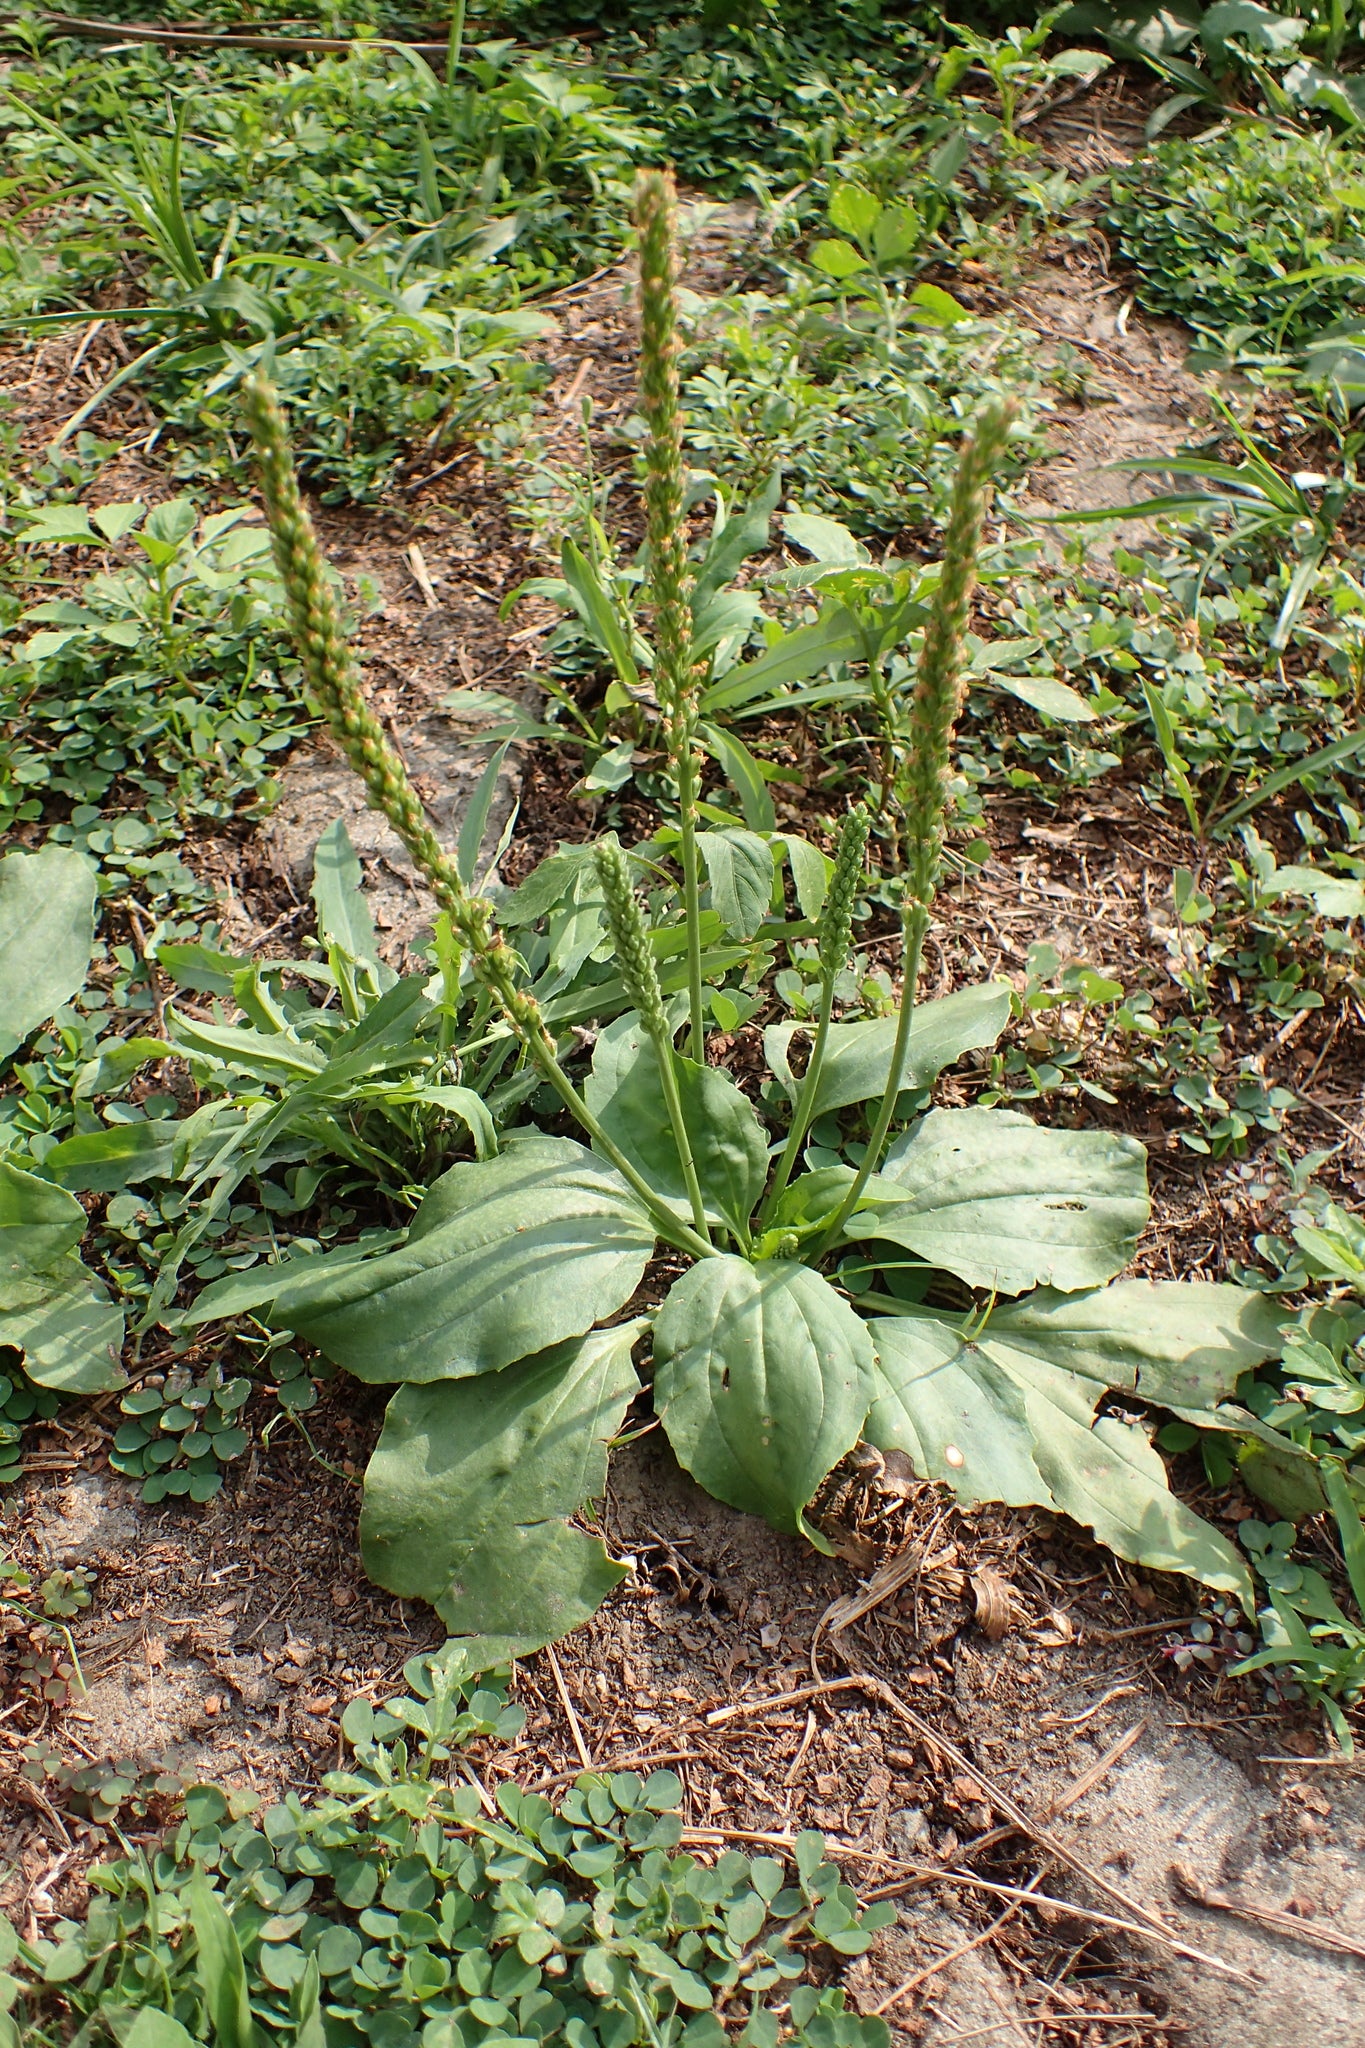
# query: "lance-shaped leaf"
1004, 1203
1003, 1424
763, 1375
729, 1149
858, 1056
467, 1494
119, 1157
505, 1257
344, 917
47, 932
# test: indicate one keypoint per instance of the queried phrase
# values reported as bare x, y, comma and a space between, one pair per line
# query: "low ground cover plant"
1251, 234
390, 1909
373, 224
161, 678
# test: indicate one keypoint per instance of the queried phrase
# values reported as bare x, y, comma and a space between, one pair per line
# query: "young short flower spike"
626, 923
835, 929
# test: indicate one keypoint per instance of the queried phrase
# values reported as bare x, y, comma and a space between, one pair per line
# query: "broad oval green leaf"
38, 1222
729, 1148
47, 933
68, 1329
1181, 1343
763, 1375
858, 1056
467, 1494
505, 1257
996, 1423
739, 867
1005, 1203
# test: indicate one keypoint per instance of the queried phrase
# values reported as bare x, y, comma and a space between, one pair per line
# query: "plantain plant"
947, 1288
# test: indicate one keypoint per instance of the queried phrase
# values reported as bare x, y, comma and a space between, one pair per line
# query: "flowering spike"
937, 697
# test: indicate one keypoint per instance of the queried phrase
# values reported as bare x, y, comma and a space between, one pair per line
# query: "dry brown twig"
1298, 1927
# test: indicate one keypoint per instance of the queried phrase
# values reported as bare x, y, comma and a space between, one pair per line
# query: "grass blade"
1284, 778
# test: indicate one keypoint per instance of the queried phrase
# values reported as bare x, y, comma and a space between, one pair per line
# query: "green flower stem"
668, 1074
913, 929
641, 978
331, 676
676, 676
833, 939
687, 821
805, 1108
923, 782
665, 1221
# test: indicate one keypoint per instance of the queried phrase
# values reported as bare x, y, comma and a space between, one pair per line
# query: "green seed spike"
676, 678
934, 707
937, 697
333, 680
331, 676
656, 220
835, 929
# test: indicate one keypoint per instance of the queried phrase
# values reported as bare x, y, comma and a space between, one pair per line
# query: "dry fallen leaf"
997, 1603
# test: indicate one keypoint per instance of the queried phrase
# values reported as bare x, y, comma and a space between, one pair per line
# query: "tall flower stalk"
935, 704
638, 972
675, 674
333, 681
833, 937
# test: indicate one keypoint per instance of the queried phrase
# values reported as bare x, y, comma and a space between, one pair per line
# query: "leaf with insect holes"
470, 1485
1004, 1203
998, 1423
763, 1375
